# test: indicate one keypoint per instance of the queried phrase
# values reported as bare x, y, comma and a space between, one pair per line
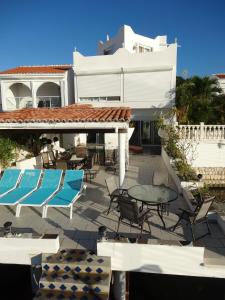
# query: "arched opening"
18, 96
49, 95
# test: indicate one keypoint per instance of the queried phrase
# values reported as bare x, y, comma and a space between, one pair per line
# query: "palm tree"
184, 96
219, 109
194, 98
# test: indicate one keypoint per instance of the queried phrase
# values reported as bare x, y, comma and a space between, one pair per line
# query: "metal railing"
24, 102
201, 132
19, 102
49, 101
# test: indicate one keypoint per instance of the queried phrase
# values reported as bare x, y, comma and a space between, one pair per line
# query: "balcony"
49, 101
25, 102
13, 103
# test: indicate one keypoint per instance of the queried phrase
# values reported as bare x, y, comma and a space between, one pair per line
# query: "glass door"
135, 138
145, 133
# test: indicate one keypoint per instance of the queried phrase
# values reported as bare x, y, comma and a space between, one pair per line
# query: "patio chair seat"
129, 211
113, 190
196, 217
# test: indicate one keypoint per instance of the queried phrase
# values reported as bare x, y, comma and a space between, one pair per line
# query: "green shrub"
175, 151
185, 171
7, 151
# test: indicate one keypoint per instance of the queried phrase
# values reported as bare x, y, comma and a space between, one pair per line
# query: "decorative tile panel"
74, 274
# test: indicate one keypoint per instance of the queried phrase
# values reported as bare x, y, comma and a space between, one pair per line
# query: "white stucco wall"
48, 89
145, 80
74, 139
208, 154
33, 82
128, 39
111, 141
222, 84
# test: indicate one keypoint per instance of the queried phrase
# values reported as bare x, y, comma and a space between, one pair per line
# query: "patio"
90, 213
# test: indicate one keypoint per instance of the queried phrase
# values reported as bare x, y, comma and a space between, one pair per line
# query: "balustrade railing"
49, 101
18, 102
201, 132
13, 103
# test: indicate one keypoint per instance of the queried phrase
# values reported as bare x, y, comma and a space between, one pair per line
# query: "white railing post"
202, 124
201, 132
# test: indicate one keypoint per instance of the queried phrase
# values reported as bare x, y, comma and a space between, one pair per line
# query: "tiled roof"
220, 75
37, 69
72, 113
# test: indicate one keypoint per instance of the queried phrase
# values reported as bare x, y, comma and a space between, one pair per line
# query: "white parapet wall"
208, 144
30, 163
22, 250
158, 259
208, 154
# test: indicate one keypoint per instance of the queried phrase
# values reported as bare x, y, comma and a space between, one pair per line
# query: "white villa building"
129, 70
221, 81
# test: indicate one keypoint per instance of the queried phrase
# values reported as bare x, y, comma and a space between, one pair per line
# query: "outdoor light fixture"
102, 232
8, 229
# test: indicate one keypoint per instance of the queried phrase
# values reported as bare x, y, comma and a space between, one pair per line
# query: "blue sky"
39, 32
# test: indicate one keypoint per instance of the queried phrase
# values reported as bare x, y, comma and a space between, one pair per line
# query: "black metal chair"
113, 190
88, 167
129, 211
47, 163
196, 217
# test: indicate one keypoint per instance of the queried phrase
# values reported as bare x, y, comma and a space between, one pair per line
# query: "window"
101, 98
142, 49
107, 51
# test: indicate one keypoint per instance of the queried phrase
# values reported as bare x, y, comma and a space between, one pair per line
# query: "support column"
2, 92
62, 93
122, 155
33, 91
119, 285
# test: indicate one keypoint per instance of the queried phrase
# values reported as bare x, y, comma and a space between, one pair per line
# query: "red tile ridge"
37, 69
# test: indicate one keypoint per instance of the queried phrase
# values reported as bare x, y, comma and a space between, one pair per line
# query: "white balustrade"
201, 132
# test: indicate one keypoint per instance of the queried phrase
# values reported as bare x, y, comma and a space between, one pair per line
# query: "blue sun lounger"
28, 184
49, 186
9, 180
69, 193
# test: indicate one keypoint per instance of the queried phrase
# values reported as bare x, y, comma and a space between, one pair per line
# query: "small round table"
155, 195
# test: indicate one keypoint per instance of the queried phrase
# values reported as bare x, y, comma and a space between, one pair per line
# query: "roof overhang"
71, 127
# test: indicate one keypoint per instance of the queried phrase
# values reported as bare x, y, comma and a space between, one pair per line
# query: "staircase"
75, 274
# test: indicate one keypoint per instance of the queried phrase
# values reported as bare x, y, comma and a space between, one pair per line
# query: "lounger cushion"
49, 185
9, 180
64, 197
14, 196
27, 184
38, 197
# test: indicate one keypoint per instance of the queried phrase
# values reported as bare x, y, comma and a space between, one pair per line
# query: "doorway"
145, 134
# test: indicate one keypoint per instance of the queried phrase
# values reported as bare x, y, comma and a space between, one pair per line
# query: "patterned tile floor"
90, 213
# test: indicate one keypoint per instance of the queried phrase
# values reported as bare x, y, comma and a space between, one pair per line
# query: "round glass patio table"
153, 195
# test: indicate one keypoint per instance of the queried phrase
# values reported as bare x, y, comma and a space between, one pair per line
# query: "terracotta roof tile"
37, 69
72, 113
220, 75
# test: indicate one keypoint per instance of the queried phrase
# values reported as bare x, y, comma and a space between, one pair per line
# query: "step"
58, 295
88, 278
77, 286
74, 274
73, 258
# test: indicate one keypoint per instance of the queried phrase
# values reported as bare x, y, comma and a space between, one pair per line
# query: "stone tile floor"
90, 213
